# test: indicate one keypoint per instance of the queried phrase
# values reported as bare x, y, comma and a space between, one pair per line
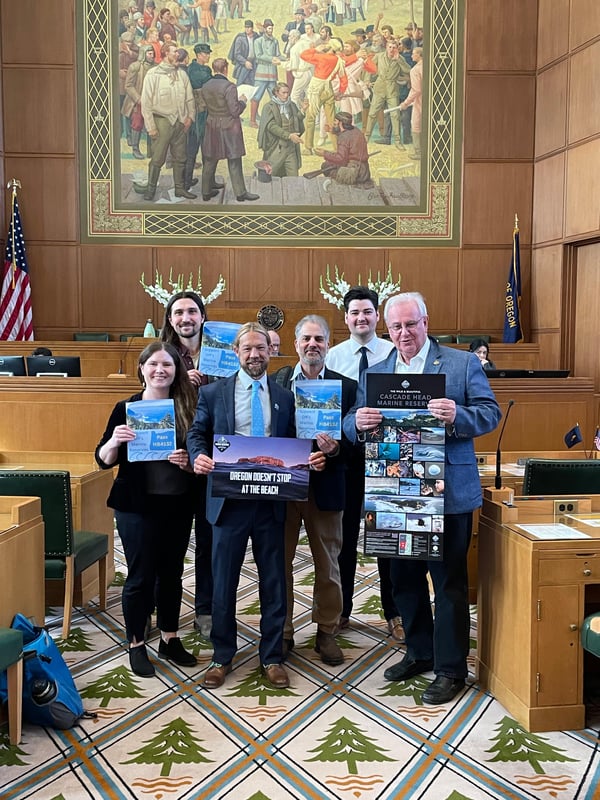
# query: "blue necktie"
258, 421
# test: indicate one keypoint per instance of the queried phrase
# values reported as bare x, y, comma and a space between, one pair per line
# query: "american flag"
597, 439
15, 297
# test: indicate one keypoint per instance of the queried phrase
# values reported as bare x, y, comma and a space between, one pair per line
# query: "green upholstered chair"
467, 338
444, 338
83, 336
124, 337
67, 552
11, 660
590, 634
560, 476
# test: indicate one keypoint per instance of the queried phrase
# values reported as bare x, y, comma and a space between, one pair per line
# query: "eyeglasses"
407, 326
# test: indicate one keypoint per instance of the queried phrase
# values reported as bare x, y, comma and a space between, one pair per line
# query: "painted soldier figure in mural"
168, 110
199, 73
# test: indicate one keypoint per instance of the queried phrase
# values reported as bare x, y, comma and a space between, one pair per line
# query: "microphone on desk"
498, 481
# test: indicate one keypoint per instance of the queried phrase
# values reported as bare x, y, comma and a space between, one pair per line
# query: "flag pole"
13, 184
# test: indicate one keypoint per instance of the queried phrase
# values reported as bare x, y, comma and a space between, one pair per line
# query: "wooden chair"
11, 660
67, 552
83, 336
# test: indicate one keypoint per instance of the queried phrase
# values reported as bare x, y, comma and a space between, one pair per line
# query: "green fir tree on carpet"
514, 743
345, 742
307, 580
372, 605
76, 642
195, 642
9, 753
457, 796
173, 744
253, 609
364, 561
258, 796
413, 688
256, 685
115, 683
119, 579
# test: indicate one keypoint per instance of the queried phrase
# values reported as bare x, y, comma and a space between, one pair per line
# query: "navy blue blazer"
477, 412
215, 414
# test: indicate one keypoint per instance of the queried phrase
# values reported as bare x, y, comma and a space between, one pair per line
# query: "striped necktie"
258, 421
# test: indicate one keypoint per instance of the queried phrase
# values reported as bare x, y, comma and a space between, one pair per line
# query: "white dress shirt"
345, 357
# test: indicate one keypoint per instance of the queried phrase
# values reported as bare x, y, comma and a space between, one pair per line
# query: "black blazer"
329, 486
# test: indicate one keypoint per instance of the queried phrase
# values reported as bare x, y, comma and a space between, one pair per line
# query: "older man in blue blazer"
226, 407
468, 410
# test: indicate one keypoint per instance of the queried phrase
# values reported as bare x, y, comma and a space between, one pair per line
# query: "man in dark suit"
225, 407
223, 136
468, 410
322, 514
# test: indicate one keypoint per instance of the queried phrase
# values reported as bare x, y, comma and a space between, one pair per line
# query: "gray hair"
317, 320
406, 297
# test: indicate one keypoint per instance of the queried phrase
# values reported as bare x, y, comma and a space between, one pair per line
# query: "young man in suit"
322, 514
225, 407
469, 409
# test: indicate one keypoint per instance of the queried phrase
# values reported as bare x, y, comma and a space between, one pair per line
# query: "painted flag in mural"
512, 296
15, 296
597, 439
573, 436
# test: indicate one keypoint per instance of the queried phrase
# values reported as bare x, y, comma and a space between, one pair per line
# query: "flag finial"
13, 184
516, 222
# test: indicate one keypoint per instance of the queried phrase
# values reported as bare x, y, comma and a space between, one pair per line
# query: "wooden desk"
21, 559
532, 602
89, 489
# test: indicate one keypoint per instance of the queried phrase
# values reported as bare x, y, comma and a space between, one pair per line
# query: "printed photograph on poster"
154, 424
253, 467
318, 408
404, 469
216, 353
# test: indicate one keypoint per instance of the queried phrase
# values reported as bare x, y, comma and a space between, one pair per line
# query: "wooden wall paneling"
552, 33
483, 284
587, 301
112, 298
582, 214
584, 108
492, 194
550, 345
501, 35
214, 261
551, 109
269, 276
548, 199
499, 116
39, 110
48, 199
546, 288
54, 274
584, 22
34, 32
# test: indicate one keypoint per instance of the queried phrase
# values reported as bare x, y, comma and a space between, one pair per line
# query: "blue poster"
216, 352
154, 424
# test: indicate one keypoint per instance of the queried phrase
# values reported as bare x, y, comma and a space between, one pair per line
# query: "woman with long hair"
154, 507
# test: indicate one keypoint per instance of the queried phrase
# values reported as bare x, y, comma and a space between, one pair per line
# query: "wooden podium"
533, 595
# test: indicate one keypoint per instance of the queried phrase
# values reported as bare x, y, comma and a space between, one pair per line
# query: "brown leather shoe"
395, 628
276, 676
215, 675
328, 649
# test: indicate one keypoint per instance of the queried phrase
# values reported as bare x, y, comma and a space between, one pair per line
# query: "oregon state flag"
512, 296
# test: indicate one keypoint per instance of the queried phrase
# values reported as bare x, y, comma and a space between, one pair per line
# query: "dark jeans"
203, 559
155, 544
355, 489
445, 640
239, 521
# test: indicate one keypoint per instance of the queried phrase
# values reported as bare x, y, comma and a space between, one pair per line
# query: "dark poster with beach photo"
261, 467
404, 469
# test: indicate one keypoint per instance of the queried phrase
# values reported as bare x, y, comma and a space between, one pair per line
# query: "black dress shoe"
442, 690
408, 668
212, 193
247, 196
